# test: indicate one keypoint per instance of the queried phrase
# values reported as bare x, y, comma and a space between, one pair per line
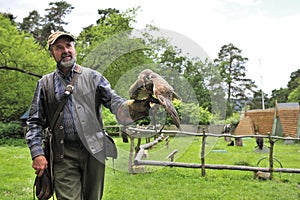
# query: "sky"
267, 31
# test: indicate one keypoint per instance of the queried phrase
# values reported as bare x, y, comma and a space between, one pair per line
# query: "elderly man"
78, 135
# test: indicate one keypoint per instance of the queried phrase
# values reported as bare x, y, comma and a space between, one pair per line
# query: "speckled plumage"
151, 85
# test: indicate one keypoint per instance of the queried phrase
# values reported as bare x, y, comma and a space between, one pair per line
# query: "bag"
110, 147
43, 186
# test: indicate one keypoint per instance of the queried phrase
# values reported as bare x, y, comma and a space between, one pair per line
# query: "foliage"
108, 117
110, 47
289, 94
294, 87
294, 96
114, 48
233, 71
188, 112
294, 80
256, 102
20, 52
191, 69
31, 24
279, 95
205, 116
234, 119
40, 27
10, 130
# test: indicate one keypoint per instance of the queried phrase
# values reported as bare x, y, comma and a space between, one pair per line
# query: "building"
283, 120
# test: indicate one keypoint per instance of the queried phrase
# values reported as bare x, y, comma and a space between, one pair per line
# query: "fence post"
130, 169
203, 154
271, 164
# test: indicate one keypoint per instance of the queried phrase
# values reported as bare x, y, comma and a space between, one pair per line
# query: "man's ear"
50, 53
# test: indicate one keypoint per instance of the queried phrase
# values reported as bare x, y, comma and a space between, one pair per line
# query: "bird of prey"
260, 142
150, 85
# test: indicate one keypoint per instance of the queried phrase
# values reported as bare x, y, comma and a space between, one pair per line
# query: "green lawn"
172, 183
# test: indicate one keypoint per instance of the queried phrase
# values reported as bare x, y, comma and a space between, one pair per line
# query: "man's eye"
58, 48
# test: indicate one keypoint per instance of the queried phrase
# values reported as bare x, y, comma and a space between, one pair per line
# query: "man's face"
64, 53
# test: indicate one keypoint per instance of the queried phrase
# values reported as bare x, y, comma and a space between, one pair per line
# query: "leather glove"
43, 186
133, 110
138, 109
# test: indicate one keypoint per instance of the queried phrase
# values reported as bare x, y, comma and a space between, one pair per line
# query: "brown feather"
151, 85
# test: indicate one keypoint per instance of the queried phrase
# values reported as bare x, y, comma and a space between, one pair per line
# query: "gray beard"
67, 64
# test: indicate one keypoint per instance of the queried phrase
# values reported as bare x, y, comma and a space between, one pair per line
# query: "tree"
289, 94
294, 87
233, 71
9, 16
256, 101
279, 95
110, 23
41, 27
110, 47
191, 70
294, 96
294, 80
20, 55
32, 24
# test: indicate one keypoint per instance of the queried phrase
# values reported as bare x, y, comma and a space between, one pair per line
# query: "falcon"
150, 85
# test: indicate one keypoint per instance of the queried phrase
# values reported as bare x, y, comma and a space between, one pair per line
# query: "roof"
288, 105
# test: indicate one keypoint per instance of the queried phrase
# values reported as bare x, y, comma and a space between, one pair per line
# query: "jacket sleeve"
126, 111
110, 99
36, 122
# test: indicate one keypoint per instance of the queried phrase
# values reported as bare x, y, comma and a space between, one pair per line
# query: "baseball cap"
54, 36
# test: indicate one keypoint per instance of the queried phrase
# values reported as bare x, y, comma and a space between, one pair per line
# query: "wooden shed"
283, 120
245, 127
286, 120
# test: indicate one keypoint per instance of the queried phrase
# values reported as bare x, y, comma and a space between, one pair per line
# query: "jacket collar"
75, 69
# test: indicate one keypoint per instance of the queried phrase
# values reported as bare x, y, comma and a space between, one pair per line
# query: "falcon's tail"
167, 104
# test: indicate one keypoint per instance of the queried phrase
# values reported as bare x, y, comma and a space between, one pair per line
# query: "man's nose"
65, 49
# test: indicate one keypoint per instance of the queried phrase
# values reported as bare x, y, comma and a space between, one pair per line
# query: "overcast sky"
267, 31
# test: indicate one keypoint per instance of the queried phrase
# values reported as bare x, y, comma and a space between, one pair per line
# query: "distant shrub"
108, 117
234, 119
10, 130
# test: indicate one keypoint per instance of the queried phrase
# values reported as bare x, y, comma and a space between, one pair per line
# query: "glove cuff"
138, 109
131, 111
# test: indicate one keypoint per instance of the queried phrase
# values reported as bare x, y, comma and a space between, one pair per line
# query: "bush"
234, 119
108, 117
13, 142
10, 130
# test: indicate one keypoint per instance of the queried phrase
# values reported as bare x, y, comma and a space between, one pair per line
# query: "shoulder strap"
68, 92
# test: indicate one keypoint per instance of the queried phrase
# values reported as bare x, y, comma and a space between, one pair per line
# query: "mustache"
64, 55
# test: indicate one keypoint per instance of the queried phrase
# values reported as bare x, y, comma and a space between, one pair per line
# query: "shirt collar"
71, 73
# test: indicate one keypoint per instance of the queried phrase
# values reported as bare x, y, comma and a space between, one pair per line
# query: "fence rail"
136, 132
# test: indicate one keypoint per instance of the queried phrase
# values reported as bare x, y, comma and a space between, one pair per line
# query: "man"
78, 136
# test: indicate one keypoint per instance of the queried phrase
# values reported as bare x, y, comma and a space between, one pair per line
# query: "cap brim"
62, 35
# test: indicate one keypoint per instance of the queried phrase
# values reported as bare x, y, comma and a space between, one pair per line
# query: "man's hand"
39, 163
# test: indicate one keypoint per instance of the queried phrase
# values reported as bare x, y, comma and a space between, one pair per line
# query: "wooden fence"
114, 130
135, 132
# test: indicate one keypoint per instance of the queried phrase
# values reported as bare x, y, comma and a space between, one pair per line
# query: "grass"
161, 183
16, 173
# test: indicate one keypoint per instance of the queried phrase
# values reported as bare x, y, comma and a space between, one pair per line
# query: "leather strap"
68, 92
